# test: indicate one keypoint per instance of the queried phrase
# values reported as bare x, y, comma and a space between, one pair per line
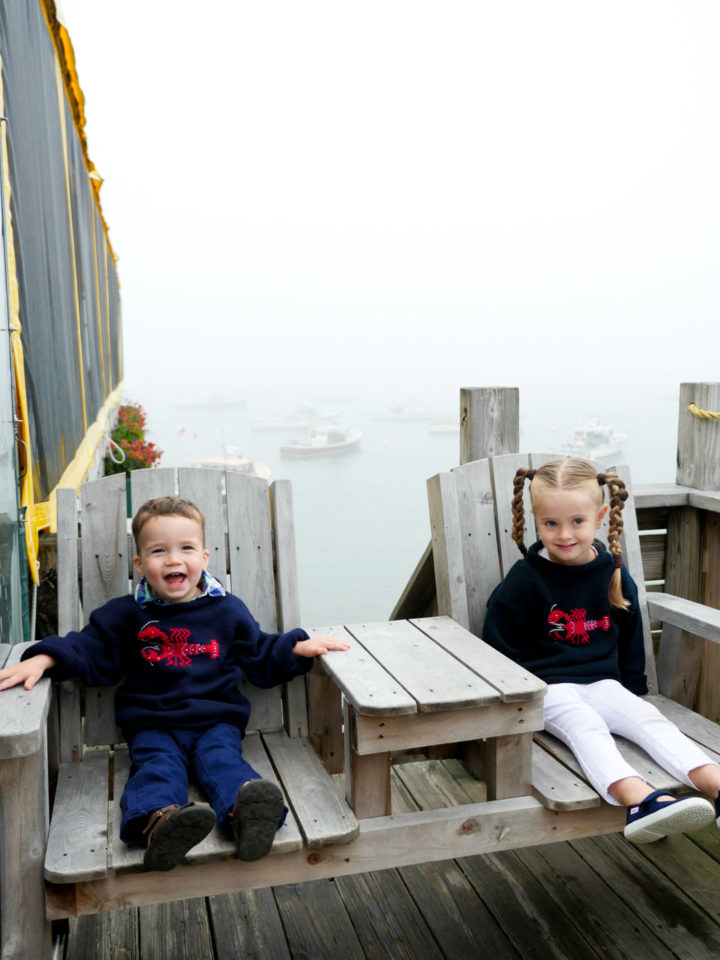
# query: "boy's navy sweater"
556, 620
181, 662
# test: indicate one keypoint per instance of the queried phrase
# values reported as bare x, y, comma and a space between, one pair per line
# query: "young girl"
568, 611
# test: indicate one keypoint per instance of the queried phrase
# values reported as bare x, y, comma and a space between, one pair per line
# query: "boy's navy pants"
159, 774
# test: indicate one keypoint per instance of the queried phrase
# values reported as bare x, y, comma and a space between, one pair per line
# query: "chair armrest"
687, 615
24, 715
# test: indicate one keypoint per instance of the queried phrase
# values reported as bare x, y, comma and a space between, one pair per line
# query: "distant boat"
402, 412
235, 463
301, 419
324, 440
595, 441
445, 425
215, 403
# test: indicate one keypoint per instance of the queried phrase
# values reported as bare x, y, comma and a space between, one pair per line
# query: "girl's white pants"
584, 716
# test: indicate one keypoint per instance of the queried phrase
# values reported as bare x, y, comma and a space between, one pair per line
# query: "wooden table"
409, 684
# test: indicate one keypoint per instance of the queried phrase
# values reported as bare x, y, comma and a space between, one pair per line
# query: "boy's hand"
317, 646
28, 672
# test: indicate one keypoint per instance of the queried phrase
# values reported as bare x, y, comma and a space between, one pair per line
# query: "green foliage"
129, 435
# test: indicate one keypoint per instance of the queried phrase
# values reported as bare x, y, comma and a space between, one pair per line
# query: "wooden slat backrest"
240, 524
471, 520
252, 577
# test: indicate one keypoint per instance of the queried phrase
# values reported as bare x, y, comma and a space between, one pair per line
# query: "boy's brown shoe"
173, 830
257, 814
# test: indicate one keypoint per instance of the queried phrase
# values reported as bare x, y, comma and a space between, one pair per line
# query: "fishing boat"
403, 412
324, 440
233, 462
303, 418
595, 441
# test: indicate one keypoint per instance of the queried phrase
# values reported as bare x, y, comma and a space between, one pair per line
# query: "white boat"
402, 412
234, 462
301, 419
323, 441
595, 441
445, 425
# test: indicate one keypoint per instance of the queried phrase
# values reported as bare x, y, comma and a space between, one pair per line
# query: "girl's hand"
28, 672
317, 646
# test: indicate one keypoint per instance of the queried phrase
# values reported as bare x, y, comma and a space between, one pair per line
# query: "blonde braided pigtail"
518, 508
618, 496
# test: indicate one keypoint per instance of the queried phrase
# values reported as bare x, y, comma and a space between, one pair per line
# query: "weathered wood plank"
322, 815
382, 842
247, 925
24, 713
204, 487
556, 787
512, 682
649, 496
106, 936
419, 598
698, 728
675, 919
23, 824
446, 541
288, 597
679, 660
385, 916
175, 931
77, 846
503, 473
252, 577
658, 778
578, 890
698, 449
478, 538
103, 519
434, 679
380, 734
325, 713
529, 917
361, 679
316, 922
489, 422
695, 618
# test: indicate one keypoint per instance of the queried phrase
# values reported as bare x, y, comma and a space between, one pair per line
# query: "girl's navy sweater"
556, 620
181, 663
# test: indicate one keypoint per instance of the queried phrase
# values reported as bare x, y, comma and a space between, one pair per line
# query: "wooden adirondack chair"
85, 862
471, 520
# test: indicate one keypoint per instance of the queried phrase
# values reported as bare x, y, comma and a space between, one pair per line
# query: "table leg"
367, 778
504, 763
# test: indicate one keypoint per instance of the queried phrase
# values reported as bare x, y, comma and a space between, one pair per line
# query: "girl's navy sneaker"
653, 819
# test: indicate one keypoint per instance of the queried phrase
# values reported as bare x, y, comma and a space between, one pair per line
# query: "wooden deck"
592, 898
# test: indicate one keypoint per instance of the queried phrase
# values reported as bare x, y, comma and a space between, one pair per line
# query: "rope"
704, 414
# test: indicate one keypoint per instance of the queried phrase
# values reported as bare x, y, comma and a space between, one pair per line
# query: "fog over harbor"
365, 205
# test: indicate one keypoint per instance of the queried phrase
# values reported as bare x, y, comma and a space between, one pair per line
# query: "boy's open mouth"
174, 579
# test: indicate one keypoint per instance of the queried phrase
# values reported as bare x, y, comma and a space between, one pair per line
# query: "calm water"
361, 518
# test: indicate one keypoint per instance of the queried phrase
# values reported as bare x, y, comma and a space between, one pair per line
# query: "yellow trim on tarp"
45, 514
71, 234
76, 99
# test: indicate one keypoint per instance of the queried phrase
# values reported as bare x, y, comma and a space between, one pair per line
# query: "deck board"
590, 898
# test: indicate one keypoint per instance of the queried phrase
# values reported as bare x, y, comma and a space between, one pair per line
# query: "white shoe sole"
683, 816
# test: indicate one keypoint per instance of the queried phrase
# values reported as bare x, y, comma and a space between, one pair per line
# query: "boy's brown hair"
166, 507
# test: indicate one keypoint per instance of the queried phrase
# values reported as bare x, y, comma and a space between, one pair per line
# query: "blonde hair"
570, 474
166, 507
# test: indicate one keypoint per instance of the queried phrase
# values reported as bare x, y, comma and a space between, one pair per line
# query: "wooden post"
698, 466
489, 422
698, 459
489, 425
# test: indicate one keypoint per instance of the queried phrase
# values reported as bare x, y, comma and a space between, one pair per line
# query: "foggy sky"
347, 195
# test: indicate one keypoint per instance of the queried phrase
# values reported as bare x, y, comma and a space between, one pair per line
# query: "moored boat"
595, 441
324, 440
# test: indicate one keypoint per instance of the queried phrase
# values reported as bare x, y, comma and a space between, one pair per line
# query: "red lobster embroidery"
575, 627
174, 649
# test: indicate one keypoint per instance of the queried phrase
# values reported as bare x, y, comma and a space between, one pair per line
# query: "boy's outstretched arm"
317, 646
28, 672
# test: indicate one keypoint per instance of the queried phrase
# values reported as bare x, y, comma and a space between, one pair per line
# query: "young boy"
181, 643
